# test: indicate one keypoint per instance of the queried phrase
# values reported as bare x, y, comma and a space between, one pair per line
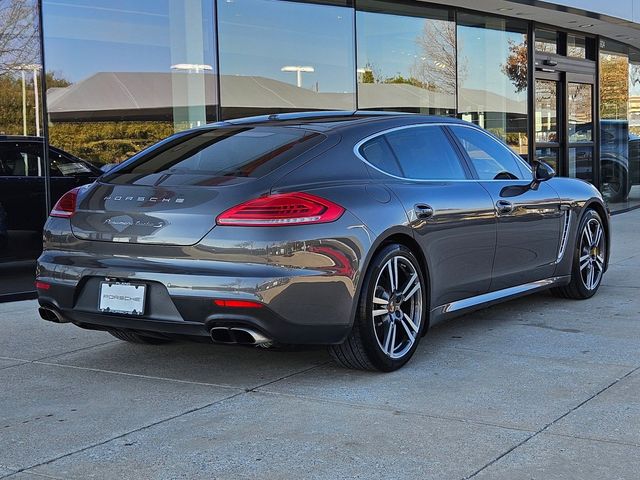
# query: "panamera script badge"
122, 222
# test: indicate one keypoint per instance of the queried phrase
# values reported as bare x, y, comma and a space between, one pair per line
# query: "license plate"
122, 298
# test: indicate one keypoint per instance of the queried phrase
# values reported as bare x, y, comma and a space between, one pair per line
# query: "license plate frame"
122, 298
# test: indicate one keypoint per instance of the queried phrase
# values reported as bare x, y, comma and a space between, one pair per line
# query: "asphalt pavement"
537, 388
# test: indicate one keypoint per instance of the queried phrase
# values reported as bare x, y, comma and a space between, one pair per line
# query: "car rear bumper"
307, 321
307, 289
267, 324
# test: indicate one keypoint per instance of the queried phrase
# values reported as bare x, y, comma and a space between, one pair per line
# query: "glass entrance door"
547, 132
580, 130
564, 133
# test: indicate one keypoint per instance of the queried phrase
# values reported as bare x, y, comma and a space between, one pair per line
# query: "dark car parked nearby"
351, 229
620, 159
22, 189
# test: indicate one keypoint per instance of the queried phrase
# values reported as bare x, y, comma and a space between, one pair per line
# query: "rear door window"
425, 153
491, 159
227, 151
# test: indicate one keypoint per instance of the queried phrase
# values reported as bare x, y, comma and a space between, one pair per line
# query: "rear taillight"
66, 206
42, 285
237, 304
281, 210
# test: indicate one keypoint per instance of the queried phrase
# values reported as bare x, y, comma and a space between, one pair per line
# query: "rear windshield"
227, 152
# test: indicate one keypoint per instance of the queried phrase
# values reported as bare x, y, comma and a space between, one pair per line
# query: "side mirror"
107, 167
541, 173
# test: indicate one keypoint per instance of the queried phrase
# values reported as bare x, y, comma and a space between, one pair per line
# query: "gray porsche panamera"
355, 230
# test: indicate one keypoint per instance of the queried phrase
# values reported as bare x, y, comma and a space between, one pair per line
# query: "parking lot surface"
537, 388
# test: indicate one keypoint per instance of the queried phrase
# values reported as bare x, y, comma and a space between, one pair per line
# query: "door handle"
423, 211
504, 207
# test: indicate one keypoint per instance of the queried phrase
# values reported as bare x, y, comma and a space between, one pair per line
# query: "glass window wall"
576, 46
546, 125
492, 77
546, 41
283, 56
22, 185
633, 111
619, 126
122, 75
406, 58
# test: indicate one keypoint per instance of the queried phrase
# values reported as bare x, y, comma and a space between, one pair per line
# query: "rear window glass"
229, 152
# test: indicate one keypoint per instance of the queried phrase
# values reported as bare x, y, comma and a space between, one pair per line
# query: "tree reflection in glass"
494, 94
406, 58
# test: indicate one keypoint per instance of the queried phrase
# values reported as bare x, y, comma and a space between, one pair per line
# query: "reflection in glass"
576, 46
634, 125
285, 56
580, 112
22, 187
492, 76
546, 111
548, 155
546, 41
581, 163
406, 58
137, 73
614, 125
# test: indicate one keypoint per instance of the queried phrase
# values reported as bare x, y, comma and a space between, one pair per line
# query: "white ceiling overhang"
567, 15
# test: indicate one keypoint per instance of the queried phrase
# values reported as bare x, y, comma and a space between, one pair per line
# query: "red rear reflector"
42, 285
237, 304
66, 206
281, 210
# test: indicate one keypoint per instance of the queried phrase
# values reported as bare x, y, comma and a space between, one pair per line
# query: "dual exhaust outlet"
239, 335
227, 335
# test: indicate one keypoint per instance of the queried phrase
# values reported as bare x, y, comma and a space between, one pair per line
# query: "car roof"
332, 120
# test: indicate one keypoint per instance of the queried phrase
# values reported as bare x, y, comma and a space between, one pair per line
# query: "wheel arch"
406, 239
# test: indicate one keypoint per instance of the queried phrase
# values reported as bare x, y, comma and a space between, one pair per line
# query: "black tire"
133, 337
615, 183
577, 289
362, 350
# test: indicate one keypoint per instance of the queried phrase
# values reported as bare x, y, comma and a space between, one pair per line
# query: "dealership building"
98, 80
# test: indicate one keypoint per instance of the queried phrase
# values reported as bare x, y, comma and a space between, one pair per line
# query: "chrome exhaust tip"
51, 315
248, 336
221, 335
239, 335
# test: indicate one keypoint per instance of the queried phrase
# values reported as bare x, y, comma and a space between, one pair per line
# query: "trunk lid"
167, 215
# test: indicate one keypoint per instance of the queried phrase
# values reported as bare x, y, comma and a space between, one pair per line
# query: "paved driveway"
537, 388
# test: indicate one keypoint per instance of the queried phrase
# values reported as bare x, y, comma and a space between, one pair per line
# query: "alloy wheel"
397, 307
592, 254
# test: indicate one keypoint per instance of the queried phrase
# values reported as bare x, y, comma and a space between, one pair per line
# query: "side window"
20, 160
425, 153
378, 153
491, 159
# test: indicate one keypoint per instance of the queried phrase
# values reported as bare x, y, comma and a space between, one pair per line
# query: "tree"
367, 75
19, 36
436, 65
516, 66
614, 86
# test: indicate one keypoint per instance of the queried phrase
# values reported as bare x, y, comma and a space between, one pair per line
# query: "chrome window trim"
357, 153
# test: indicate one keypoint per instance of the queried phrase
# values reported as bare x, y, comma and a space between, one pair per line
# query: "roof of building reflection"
109, 96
